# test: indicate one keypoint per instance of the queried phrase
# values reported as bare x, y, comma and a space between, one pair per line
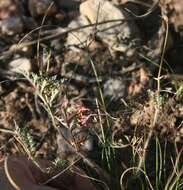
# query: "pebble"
79, 38
120, 37
20, 65
11, 22
68, 142
11, 26
114, 88
41, 7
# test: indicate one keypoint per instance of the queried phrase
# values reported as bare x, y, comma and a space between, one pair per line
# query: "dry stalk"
153, 124
8, 175
151, 9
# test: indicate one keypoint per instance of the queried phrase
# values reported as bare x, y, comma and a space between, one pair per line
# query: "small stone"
114, 88
7, 8
20, 65
79, 38
25, 51
11, 25
69, 141
11, 22
42, 7
120, 37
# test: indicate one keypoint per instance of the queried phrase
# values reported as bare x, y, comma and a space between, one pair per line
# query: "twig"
39, 34
60, 173
174, 171
91, 178
138, 169
102, 173
153, 124
13, 183
151, 9
5, 130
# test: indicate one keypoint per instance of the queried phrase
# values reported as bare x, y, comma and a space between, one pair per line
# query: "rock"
7, 8
79, 38
119, 37
25, 51
10, 18
41, 7
70, 141
11, 26
114, 88
20, 65
174, 11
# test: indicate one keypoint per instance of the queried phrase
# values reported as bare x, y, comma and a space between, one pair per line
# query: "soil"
128, 88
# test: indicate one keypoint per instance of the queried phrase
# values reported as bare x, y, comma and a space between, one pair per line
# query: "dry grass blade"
165, 19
